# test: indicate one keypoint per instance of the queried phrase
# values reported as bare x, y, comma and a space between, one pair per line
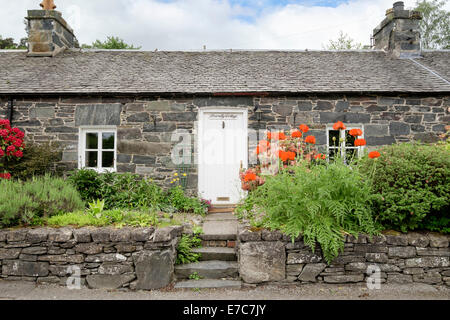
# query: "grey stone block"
154, 269
311, 271
98, 114
399, 128
25, 268
262, 261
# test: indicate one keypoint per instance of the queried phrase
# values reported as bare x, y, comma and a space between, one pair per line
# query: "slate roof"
90, 72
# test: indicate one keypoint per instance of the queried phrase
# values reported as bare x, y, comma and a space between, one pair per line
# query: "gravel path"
15, 290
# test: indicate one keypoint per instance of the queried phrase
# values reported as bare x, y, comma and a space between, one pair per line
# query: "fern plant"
322, 203
184, 250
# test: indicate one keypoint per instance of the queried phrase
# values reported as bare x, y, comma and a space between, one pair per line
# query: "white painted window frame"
342, 136
82, 147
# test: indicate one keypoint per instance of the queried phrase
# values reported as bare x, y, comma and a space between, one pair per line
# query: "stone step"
216, 253
217, 209
212, 269
219, 230
223, 216
209, 284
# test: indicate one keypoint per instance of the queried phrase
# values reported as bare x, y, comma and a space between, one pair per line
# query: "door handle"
223, 124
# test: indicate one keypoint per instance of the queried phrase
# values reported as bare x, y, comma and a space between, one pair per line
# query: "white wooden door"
222, 149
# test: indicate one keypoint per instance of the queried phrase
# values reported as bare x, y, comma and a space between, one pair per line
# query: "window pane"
107, 159
334, 138
91, 140
108, 140
332, 153
91, 159
349, 140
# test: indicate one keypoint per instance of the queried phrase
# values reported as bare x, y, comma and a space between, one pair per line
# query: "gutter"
10, 110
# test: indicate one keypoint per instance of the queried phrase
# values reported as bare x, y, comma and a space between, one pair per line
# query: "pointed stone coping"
219, 230
209, 284
212, 269
216, 253
220, 216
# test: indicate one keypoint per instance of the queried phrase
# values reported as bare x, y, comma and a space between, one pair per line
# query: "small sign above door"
223, 116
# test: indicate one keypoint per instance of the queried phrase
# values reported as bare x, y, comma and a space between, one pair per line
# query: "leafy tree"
110, 43
8, 43
343, 42
435, 25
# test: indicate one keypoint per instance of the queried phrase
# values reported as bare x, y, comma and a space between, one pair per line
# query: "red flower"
290, 155
304, 128
269, 135
320, 156
3, 133
339, 126
284, 156
355, 132
10, 149
360, 142
279, 136
249, 176
5, 175
374, 154
2, 153
296, 134
310, 139
18, 143
18, 154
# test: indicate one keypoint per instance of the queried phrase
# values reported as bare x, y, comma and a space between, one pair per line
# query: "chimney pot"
48, 33
399, 32
48, 5
399, 5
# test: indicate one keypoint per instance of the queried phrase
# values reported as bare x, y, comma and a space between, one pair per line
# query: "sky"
214, 24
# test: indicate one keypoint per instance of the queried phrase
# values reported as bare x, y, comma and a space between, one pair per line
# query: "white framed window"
98, 148
348, 148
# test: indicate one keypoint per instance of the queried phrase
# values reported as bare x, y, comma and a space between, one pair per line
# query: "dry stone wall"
135, 258
269, 256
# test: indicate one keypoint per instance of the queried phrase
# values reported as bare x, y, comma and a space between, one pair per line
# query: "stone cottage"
201, 113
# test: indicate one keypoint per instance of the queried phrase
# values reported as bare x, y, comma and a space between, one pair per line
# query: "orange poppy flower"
374, 154
279, 136
360, 142
290, 155
296, 134
304, 128
339, 126
320, 156
355, 132
249, 176
269, 135
310, 139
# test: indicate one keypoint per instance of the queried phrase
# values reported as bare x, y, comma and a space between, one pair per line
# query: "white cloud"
190, 24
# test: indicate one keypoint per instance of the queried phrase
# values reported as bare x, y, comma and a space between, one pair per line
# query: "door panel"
223, 143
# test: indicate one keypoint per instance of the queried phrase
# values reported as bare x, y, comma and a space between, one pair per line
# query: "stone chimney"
48, 33
399, 32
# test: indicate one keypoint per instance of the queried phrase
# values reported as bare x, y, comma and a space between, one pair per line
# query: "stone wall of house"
269, 256
145, 124
135, 258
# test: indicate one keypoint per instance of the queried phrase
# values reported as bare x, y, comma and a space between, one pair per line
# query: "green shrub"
413, 180
115, 217
37, 160
130, 191
177, 198
88, 183
25, 202
184, 250
322, 203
